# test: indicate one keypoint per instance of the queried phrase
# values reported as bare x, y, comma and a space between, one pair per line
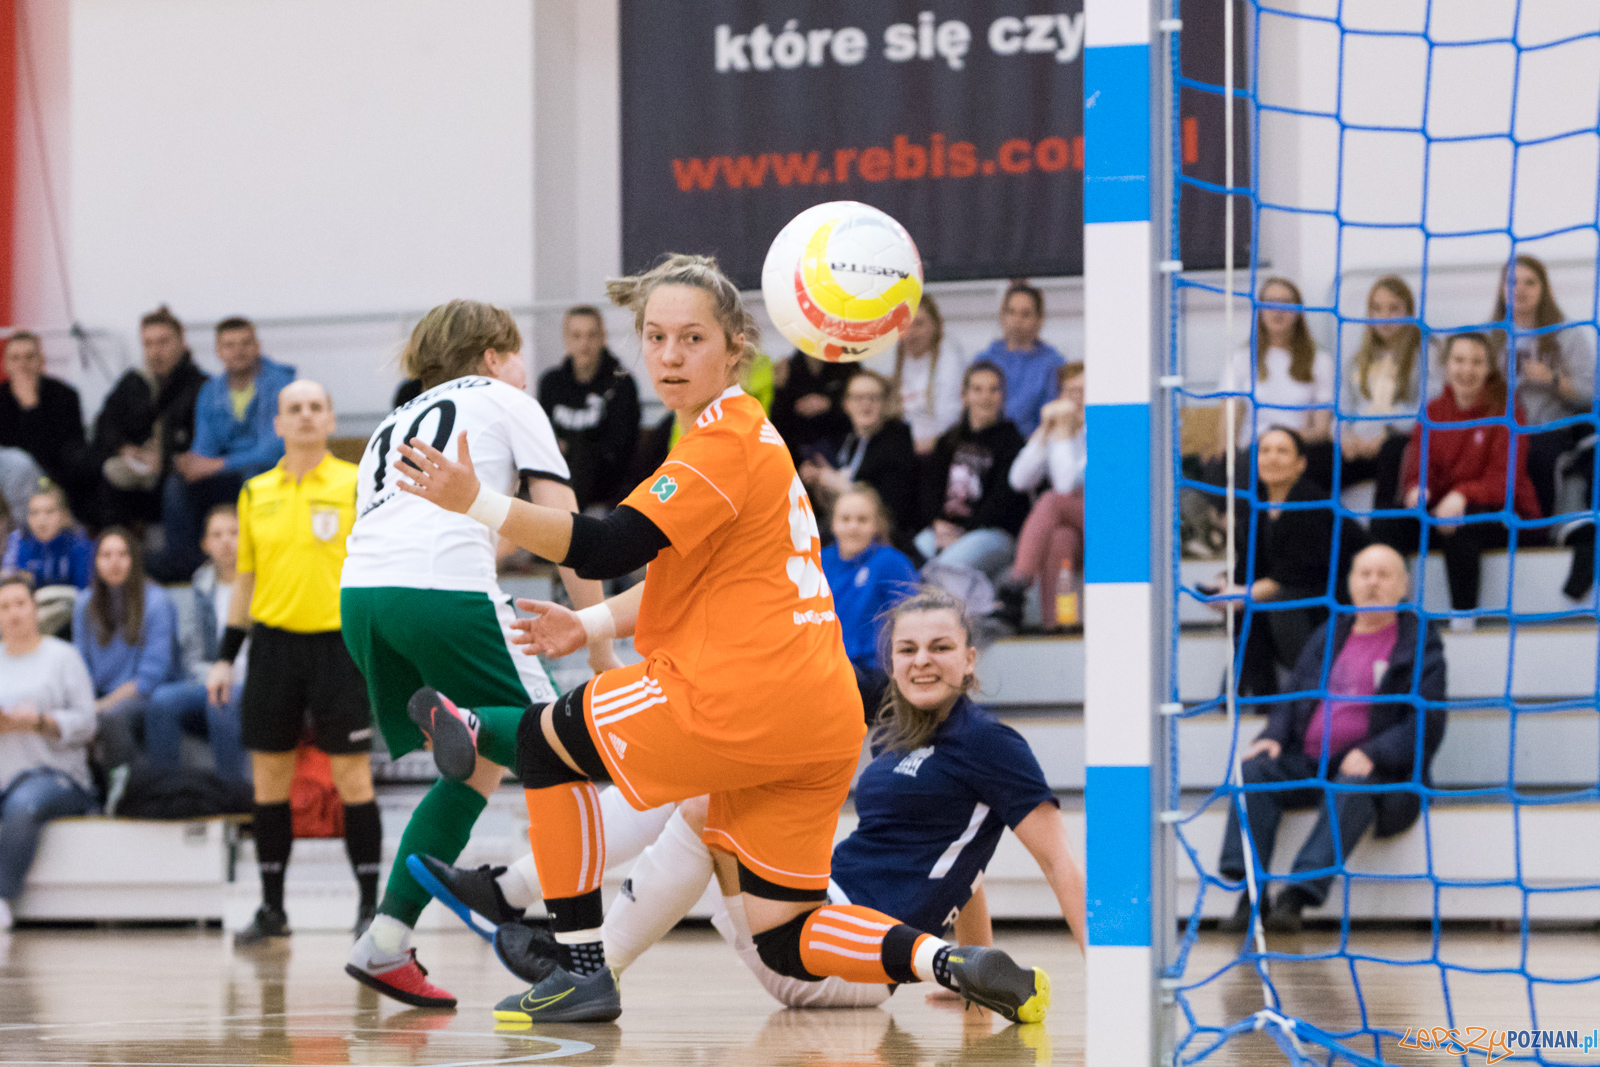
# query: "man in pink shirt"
1360, 730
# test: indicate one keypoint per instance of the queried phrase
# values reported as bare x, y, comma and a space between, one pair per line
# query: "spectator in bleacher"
1050, 548
1293, 553
234, 441
146, 420
1554, 372
868, 576
46, 724
182, 706
808, 403
926, 369
41, 416
1346, 736
52, 549
974, 514
593, 404
1029, 364
877, 451
125, 628
1291, 376
1384, 379
1466, 474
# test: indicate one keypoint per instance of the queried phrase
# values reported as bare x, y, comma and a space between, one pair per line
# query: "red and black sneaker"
406, 982
453, 731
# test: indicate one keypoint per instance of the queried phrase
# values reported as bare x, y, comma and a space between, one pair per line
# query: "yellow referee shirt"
292, 536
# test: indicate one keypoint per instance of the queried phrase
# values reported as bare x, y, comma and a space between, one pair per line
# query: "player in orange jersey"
745, 691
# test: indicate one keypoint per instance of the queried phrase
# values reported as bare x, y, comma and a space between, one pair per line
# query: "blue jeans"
989, 550
176, 708
184, 506
34, 798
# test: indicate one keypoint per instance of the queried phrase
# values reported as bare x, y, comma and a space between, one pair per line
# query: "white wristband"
598, 622
490, 508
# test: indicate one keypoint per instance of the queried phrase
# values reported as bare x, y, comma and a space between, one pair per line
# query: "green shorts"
457, 642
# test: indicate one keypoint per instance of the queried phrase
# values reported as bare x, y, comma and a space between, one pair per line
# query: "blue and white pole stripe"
1119, 634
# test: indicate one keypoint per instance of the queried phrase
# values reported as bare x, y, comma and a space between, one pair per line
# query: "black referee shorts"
294, 678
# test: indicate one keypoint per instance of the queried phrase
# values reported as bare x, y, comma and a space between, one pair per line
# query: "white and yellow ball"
842, 281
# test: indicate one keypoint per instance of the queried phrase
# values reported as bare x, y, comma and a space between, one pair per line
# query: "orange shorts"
779, 820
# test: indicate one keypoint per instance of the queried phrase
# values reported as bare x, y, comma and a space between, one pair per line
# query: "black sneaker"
268, 923
453, 731
1284, 918
563, 997
465, 892
990, 978
528, 949
1239, 921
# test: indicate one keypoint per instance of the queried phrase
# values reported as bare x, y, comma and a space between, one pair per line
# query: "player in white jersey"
420, 601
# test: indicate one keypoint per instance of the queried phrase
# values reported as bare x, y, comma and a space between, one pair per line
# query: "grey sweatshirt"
53, 679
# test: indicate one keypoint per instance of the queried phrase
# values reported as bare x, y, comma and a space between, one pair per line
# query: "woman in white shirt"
1382, 387
1290, 379
926, 372
46, 724
1051, 543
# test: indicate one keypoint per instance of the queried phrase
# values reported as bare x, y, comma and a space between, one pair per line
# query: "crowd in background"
923, 465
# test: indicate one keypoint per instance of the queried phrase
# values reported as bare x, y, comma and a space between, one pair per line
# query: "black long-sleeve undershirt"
618, 544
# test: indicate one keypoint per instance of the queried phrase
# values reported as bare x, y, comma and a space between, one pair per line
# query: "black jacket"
597, 423
1392, 727
129, 414
52, 432
984, 457
889, 465
1293, 549
803, 376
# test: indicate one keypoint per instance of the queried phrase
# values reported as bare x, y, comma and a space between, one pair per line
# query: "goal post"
1126, 535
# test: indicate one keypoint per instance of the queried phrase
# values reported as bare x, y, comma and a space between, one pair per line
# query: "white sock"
5, 915
520, 884
383, 945
729, 920
665, 882
628, 830
922, 959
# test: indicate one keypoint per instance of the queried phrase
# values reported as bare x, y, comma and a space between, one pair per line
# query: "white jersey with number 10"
402, 540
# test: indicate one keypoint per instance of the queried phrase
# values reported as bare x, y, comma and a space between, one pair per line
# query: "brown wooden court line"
159, 997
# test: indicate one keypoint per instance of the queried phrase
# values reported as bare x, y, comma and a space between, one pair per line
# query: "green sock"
497, 733
439, 828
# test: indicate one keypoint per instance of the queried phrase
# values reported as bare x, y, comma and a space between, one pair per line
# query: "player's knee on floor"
539, 765
779, 949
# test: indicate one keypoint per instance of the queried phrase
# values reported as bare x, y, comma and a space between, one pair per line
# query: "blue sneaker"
473, 895
562, 997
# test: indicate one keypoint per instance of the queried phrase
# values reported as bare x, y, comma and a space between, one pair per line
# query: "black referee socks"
273, 828
363, 842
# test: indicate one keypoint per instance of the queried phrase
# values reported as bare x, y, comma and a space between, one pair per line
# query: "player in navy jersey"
947, 779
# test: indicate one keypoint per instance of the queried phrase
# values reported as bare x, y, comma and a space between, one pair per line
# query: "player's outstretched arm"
1045, 835
453, 485
554, 631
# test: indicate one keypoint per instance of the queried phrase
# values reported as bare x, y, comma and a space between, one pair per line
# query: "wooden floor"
161, 997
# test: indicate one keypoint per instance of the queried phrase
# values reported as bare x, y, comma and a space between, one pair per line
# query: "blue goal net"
1411, 287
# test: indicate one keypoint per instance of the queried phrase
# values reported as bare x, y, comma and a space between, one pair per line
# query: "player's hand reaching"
552, 630
426, 472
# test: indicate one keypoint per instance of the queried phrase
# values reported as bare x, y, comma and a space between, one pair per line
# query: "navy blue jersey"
930, 819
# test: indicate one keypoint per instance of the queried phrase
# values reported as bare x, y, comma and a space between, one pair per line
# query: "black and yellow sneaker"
562, 997
990, 978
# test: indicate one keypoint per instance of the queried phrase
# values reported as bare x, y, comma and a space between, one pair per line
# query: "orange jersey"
737, 621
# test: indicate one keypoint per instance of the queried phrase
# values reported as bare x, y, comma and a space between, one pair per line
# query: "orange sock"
859, 945
569, 844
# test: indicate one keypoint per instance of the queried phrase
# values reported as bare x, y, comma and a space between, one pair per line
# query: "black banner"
964, 122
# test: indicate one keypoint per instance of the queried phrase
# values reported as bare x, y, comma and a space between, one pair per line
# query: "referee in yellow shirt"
293, 521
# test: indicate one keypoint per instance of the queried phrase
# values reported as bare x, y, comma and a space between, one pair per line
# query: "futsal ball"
842, 281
